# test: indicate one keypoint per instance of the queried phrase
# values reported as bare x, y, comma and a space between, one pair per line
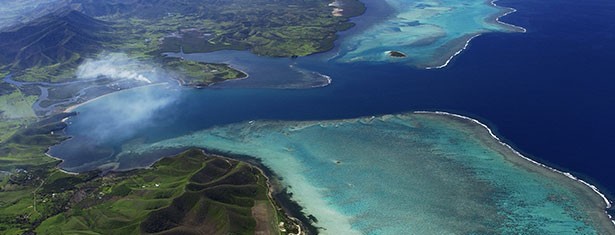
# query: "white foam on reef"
329, 80
313, 76
467, 44
567, 174
510, 11
455, 54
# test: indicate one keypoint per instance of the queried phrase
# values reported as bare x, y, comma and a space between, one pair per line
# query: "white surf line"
497, 19
594, 188
456, 54
510, 11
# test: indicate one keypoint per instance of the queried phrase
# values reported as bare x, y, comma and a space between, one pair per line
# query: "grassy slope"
201, 74
186, 193
16, 106
24, 168
47, 47
191, 193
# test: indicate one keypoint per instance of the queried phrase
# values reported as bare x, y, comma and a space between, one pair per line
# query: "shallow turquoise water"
403, 174
429, 32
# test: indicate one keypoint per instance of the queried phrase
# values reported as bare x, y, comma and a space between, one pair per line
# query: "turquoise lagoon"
416, 173
430, 33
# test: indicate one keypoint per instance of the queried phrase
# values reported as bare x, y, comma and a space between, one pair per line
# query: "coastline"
282, 199
507, 11
75, 106
60, 162
607, 203
458, 52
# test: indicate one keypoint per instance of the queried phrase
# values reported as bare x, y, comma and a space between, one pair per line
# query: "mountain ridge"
55, 38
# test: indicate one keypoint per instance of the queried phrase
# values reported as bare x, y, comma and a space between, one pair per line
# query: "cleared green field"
16, 106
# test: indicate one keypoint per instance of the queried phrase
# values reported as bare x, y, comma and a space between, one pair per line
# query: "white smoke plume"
119, 66
122, 114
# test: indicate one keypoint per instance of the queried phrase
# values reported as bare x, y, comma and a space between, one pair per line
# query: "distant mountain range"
14, 12
57, 37
140, 8
61, 32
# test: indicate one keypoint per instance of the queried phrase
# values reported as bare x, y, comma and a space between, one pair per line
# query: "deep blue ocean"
549, 92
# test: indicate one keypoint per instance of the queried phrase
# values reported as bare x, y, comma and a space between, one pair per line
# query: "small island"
199, 74
396, 54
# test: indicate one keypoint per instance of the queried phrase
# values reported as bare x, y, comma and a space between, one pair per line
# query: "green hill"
191, 193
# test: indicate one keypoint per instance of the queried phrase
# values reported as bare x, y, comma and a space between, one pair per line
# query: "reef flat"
416, 173
429, 32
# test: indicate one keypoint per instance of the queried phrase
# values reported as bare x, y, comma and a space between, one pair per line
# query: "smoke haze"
118, 66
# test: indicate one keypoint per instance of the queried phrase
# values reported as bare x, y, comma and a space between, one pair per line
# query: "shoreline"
282, 199
458, 52
75, 106
60, 162
605, 200
508, 11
